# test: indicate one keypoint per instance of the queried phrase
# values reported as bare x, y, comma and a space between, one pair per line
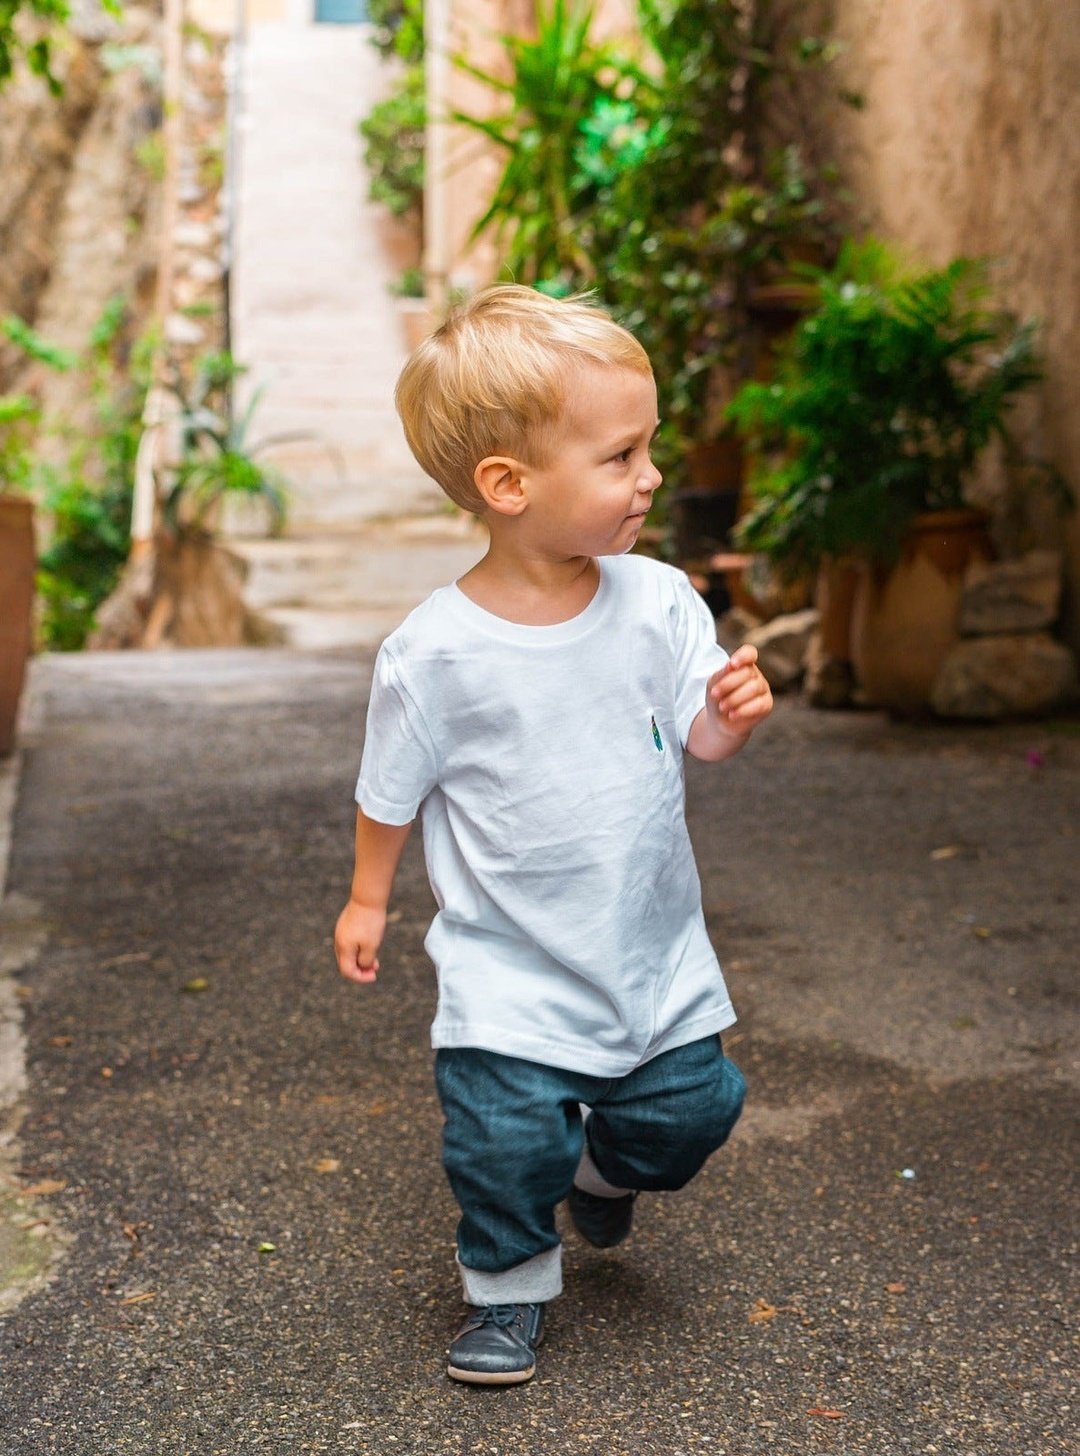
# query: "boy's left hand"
738, 697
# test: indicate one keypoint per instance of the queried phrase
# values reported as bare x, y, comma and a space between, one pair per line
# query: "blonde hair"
496, 378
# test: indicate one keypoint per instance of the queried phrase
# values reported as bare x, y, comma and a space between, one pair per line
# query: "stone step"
313, 318
354, 586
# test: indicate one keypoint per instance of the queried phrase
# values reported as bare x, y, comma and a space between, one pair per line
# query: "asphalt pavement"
227, 1158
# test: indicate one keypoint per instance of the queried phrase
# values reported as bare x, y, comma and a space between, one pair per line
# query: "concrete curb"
10, 769
30, 1244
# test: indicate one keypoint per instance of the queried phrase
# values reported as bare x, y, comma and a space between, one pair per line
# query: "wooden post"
144, 504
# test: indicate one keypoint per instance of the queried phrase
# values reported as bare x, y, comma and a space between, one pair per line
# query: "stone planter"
17, 566
906, 619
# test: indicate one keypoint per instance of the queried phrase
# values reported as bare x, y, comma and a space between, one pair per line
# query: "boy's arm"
361, 924
737, 699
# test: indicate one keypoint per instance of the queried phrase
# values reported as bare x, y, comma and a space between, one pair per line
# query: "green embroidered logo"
656, 736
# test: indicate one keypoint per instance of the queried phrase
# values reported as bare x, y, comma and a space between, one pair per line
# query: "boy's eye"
624, 455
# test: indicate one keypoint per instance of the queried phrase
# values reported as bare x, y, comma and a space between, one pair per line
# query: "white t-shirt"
547, 766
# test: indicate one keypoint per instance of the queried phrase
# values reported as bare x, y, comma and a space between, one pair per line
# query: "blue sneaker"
497, 1344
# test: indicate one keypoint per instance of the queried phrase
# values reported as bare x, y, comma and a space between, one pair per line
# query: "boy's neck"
531, 590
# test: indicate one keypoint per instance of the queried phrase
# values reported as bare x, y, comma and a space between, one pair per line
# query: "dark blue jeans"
513, 1139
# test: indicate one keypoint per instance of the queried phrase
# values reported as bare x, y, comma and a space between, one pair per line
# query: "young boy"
535, 715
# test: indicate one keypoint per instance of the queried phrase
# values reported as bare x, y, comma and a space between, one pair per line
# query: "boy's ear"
498, 479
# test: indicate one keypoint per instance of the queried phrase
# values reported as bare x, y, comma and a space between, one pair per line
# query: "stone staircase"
351, 588
313, 318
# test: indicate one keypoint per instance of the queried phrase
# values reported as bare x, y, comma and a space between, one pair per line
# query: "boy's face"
593, 496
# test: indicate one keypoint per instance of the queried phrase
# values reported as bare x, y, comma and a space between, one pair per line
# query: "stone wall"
39, 136
969, 142
79, 210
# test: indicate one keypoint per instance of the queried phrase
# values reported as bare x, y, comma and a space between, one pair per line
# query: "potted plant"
865, 445
394, 130
654, 176
18, 416
698, 234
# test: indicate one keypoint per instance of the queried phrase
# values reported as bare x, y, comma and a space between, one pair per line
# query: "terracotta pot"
17, 565
417, 321
905, 619
401, 238
834, 597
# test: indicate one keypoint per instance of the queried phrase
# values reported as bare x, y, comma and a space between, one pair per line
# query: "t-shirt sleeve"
398, 766
697, 653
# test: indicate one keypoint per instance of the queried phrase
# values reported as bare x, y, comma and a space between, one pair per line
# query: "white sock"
588, 1176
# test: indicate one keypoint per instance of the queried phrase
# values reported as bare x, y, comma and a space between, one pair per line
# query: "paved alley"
234, 1153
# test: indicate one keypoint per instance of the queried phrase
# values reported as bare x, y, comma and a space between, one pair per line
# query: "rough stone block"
1006, 676
782, 646
733, 628
830, 681
1011, 596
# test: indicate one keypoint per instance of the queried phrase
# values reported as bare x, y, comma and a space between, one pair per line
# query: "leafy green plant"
409, 284
31, 344
48, 16
565, 132
397, 29
19, 417
89, 543
715, 206
653, 178
394, 132
149, 152
87, 498
218, 458
884, 399
37, 53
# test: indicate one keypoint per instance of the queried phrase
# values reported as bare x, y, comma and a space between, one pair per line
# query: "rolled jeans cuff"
533, 1282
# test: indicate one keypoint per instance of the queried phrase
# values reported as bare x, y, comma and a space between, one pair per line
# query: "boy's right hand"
357, 937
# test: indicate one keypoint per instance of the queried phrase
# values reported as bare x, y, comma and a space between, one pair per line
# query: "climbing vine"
44, 17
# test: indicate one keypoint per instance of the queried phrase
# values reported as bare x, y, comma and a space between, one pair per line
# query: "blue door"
340, 12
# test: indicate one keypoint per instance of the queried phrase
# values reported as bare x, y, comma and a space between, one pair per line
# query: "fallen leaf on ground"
896, 1287
762, 1311
947, 851
46, 1186
267, 1248
125, 960
327, 1165
197, 983
828, 1415
61, 1041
